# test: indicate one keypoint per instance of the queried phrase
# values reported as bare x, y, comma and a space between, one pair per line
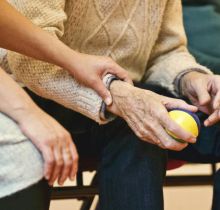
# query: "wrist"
120, 92
22, 112
69, 60
184, 78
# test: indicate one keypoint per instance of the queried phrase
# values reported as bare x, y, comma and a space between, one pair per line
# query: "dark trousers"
36, 197
206, 150
131, 172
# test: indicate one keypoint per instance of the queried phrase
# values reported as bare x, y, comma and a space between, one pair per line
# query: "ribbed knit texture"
146, 37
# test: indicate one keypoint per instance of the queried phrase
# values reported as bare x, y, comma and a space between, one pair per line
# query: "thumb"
120, 73
103, 92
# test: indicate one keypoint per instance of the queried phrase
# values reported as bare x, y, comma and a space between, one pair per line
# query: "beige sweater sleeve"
47, 80
170, 56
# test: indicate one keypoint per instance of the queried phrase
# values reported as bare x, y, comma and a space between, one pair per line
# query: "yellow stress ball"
187, 120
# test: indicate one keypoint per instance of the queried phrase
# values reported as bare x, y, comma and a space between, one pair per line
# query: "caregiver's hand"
90, 70
53, 141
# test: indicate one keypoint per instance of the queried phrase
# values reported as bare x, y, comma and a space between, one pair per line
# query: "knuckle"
59, 162
63, 135
171, 128
152, 125
68, 163
93, 82
76, 158
50, 162
48, 141
141, 134
170, 145
52, 139
68, 135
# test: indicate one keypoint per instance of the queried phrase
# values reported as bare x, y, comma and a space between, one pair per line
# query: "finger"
167, 141
202, 94
175, 129
206, 108
143, 132
178, 103
67, 157
213, 118
75, 163
48, 157
103, 92
150, 136
216, 102
58, 164
120, 73
146, 135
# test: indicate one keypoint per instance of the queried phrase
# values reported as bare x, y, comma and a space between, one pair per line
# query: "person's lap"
127, 163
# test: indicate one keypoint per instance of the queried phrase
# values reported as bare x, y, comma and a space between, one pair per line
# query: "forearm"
122, 94
18, 34
14, 100
56, 84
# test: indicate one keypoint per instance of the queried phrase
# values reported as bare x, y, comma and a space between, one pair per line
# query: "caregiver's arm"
45, 132
18, 34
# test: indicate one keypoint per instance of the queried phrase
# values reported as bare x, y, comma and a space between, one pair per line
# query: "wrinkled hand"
89, 70
54, 142
146, 114
204, 92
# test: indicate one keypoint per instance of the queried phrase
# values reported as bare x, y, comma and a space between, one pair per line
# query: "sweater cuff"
177, 80
104, 114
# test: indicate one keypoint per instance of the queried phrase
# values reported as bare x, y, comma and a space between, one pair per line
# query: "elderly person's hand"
146, 114
204, 92
54, 142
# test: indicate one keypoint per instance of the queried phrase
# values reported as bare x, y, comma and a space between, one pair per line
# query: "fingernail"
108, 101
61, 183
193, 139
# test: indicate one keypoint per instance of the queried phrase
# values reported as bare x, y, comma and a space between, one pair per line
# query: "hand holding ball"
187, 120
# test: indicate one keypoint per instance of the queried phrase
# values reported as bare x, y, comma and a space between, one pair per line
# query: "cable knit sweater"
146, 37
